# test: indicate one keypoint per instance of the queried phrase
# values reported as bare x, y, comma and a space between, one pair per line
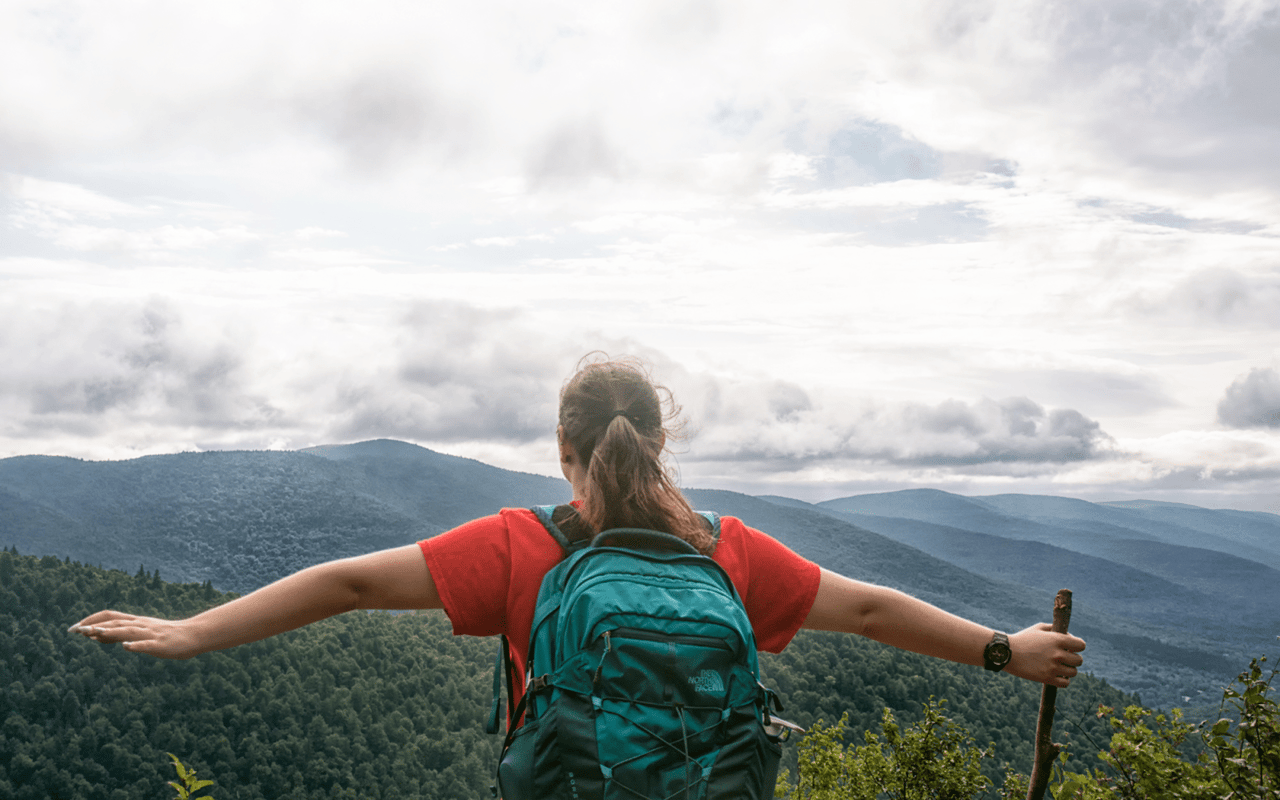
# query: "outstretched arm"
389, 579
898, 619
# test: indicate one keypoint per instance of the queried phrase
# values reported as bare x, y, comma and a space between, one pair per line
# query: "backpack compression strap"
501, 666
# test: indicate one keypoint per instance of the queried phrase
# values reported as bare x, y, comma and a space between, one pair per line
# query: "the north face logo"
708, 681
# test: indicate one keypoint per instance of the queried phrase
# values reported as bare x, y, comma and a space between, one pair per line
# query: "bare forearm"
900, 620
304, 597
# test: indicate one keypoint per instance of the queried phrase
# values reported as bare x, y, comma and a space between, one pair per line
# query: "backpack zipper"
677, 638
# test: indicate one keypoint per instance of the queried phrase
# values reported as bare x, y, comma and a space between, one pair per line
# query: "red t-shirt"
488, 573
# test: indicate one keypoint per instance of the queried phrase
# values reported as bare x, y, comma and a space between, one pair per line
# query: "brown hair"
618, 421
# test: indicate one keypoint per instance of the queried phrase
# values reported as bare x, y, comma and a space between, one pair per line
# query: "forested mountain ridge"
1165, 613
243, 519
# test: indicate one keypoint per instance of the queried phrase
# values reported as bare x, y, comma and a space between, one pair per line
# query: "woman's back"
488, 572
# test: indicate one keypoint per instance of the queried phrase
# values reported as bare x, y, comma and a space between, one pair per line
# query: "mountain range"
1173, 599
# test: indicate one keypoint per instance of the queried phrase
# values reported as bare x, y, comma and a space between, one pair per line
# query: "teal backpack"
642, 679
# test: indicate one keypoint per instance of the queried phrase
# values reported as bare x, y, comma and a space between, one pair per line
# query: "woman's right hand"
392, 579
162, 638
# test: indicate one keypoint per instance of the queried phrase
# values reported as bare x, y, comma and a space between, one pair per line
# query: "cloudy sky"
984, 246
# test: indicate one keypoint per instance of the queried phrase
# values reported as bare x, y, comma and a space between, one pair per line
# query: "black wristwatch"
996, 655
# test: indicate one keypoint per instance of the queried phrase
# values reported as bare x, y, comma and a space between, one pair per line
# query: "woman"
485, 574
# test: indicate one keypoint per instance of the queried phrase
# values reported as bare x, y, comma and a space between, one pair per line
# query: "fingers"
1070, 646
1070, 658
1046, 657
103, 616
131, 637
110, 627
1073, 643
1064, 675
106, 632
1066, 659
149, 647
111, 635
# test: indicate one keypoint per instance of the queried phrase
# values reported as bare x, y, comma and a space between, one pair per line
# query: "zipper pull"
608, 645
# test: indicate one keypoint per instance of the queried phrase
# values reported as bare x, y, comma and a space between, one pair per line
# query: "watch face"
999, 653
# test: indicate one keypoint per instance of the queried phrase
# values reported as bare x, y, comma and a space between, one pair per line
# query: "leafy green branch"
1239, 757
187, 784
935, 759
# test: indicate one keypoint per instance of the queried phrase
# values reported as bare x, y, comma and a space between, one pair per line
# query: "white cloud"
66, 201
1252, 401
88, 367
459, 373
316, 232
782, 427
76, 218
1219, 295
511, 241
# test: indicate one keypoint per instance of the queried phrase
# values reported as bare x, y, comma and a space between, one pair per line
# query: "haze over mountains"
1173, 599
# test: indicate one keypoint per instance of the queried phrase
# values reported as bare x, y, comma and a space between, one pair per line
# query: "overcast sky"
984, 246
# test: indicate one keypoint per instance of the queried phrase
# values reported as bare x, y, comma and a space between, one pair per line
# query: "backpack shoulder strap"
557, 520
561, 522
713, 519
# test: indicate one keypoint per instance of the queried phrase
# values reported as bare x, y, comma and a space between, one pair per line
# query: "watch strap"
997, 654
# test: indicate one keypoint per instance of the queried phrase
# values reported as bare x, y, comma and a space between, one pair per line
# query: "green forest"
380, 705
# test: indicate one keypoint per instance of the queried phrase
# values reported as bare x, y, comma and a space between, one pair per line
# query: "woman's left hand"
1043, 656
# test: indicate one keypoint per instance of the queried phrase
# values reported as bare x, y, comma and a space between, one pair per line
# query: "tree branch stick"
1046, 750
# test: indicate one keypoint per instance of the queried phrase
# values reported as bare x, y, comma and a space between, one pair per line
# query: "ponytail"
616, 421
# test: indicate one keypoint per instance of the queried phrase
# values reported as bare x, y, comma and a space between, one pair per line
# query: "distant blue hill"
1198, 549
1168, 596
1252, 535
1200, 581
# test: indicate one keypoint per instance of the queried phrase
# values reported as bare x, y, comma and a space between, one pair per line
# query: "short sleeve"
471, 567
777, 585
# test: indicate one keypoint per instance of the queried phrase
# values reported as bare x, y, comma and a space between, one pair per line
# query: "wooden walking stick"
1046, 750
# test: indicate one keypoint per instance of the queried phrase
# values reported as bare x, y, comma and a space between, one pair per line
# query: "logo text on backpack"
708, 681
